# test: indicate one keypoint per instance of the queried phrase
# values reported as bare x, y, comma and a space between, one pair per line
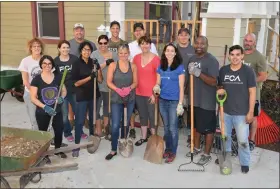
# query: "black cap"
138, 25
184, 30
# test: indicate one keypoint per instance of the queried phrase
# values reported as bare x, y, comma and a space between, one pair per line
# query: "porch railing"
152, 28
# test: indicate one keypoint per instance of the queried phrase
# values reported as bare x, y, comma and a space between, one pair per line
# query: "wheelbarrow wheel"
19, 89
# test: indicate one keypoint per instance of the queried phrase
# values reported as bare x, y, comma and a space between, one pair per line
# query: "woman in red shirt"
147, 64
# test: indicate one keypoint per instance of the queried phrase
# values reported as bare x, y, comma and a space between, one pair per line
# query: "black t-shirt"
47, 93
60, 66
82, 70
237, 84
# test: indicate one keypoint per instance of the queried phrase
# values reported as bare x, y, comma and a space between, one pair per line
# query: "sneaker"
141, 141
84, 136
70, 138
63, 145
244, 169
252, 145
75, 153
204, 159
166, 155
217, 161
195, 152
170, 158
61, 155
132, 134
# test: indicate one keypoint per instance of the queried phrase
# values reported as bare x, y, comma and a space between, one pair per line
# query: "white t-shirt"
135, 49
31, 66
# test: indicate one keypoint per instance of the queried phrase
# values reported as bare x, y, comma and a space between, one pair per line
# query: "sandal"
166, 155
110, 156
140, 142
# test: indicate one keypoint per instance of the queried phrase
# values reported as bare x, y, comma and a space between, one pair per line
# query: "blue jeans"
242, 133
69, 99
117, 113
80, 116
168, 113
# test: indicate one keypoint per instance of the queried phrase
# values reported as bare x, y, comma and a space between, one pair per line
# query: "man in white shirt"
134, 48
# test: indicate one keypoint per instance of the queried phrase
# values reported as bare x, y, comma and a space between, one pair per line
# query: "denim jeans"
242, 133
69, 99
117, 113
31, 109
168, 113
80, 116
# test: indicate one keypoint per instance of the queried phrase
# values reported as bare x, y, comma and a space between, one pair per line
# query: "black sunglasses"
105, 43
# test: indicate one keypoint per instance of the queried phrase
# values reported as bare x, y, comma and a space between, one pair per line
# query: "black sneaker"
244, 169
252, 145
132, 134
61, 155
217, 161
63, 145
141, 141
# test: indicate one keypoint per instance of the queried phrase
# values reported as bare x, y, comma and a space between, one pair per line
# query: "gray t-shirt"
186, 53
74, 47
237, 84
204, 94
96, 54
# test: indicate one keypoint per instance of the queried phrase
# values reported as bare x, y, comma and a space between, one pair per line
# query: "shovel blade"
224, 160
95, 144
126, 147
154, 150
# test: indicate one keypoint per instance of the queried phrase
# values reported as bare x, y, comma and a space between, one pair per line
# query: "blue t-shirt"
170, 89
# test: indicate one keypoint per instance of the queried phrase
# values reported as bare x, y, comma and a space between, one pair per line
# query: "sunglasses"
105, 43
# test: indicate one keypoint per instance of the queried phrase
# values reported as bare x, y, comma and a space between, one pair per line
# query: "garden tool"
108, 129
155, 146
125, 145
197, 166
58, 95
93, 138
223, 156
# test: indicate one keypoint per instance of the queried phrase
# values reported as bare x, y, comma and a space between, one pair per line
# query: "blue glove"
60, 100
49, 110
193, 70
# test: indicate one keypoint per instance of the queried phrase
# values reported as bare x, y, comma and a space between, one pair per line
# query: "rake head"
197, 168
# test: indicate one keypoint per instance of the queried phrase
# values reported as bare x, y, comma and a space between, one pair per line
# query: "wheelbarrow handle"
221, 101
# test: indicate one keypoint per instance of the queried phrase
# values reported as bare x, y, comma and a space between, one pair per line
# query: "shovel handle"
94, 96
221, 101
192, 113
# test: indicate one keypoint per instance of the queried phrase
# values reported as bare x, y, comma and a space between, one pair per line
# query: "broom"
267, 130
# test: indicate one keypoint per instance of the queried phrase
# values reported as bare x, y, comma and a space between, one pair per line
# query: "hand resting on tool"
49, 110
221, 91
193, 70
126, 90
60, 100
120, 92
180, 109
156, 89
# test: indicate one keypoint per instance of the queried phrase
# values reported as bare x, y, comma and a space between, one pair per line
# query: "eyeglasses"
47, 64
105, 43
87, 50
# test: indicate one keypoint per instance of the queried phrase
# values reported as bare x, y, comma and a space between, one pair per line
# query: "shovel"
95, 140
224, 161
125, 145
155, 146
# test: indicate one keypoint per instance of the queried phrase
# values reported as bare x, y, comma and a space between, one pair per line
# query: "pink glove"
120, 92
126, 90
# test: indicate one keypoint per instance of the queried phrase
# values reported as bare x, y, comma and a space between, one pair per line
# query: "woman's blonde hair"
35, 40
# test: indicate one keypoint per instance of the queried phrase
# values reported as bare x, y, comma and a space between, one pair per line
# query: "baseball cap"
184, 30
138, 25
78, 25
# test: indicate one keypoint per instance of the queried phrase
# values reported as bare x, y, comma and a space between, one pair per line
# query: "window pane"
48, 19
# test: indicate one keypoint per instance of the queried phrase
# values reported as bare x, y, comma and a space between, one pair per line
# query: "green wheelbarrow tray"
23, 163
10, 79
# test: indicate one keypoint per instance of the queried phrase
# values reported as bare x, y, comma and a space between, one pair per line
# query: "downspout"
105, 18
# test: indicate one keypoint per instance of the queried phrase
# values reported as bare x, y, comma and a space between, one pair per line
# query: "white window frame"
166, 3
38, 19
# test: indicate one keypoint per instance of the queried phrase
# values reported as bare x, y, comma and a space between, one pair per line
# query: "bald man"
205, 69
254, 59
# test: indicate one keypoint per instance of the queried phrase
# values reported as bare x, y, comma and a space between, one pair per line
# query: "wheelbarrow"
29, 167
11, 81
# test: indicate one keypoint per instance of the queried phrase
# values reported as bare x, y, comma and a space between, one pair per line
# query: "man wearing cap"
135, 49
115, 40
79, 37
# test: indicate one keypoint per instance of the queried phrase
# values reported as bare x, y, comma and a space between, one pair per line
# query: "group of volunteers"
134, 75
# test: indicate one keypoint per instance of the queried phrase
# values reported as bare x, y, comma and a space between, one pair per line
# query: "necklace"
145, 61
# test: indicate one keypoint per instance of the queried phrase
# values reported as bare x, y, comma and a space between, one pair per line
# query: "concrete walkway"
95, 172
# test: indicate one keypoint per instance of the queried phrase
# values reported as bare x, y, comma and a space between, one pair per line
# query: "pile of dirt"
12, 146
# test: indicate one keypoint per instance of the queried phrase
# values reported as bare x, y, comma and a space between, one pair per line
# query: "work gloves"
180, 109
194, 70
109, 61
124, 91
49, 110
